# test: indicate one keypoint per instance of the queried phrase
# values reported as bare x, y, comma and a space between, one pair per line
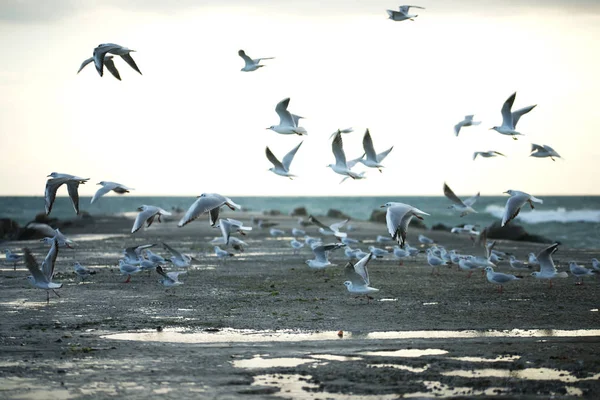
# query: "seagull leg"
57, 295
515, 138
128, 279
47, 297
550, 280
470, 273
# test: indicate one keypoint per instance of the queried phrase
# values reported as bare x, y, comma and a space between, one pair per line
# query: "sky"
194, 123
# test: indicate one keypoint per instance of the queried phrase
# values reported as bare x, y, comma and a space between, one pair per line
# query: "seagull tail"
536, 200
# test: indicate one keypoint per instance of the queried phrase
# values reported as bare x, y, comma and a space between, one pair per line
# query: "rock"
299, 212
8, 228
441, 227
272, 212
333, 213
514, 232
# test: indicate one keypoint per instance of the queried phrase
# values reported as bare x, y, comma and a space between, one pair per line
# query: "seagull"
42, 278
128, 269
321, 261
547, 267
169, 279
210, 203
518, 265
107, 187
222, 254
358, 277
58, 179
383, 239
349, 241
468, 121
517, 200
252, 64
341, 166
234, 242
331, 230
178, 259
596, 264
466, 263
499, 278
543, 151
487, 154
282, 168
401, 254
579, 272
63, 241
124, 52
296, 245
288, 123
459, 205
298, 232
467, 229
147, 215
133, 254
82, 271
425, 240
108, 63
229, 224
532, 259
398, 217
347, 130
373, 159
403, 13
434, 261
377, 252
154, 258
12, 258
510, 119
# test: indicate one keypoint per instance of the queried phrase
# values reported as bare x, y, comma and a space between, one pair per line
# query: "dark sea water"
572, 220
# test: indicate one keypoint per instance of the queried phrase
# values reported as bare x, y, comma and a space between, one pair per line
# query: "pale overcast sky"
194, 123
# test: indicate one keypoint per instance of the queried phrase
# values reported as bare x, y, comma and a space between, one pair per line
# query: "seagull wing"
337, 147
171, 250
271, 157
285, 118
352, 163
476, 154
289, 157
110, 66
516, 115
353, 276
383, 154
296, 119
361, 267
52, 186
85, 63
536, 147
98, 55
368, 146
457, 127
317, 222
320, 254
513, 207
129, 60
545, 259
50, 260
507, 119
471, 200
72, 187
450, 195
101, 192
143, 216
249, 62
33, 266
336, 227
225, 229
203, 204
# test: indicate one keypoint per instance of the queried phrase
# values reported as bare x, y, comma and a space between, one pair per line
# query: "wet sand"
263, 324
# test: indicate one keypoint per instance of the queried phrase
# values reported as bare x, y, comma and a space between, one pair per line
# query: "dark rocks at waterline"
299, 212
379, 216
272, 213
516, 233
333, 213
441, 227
8, 229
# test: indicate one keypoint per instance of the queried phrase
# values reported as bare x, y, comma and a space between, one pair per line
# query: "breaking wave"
538, 216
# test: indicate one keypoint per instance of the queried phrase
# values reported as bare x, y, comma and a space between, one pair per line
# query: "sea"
572, 220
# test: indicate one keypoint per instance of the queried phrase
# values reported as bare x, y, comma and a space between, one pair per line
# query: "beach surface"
264, 325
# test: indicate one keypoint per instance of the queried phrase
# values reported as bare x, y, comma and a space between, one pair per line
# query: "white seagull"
133, 255
124, 52
252, 64
398, 217
513, 206
543, 151
42, 278
331, 230
296, 245
288, 123
12, 258
321, 261
57, 180
487, 154
347, 130
63, 241
547, 267
107, 187
510, 118
341, 166
229, 224
282, 168
358, 277
178, 259
468, 121
108, 63
464, 207
147, 215
210, 203
499, 278
373, 159
128, 269
82, 271
403, 14
222, 254
579, 272
169, 279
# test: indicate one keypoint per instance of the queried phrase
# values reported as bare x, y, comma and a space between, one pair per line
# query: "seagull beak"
97, 183
381, 206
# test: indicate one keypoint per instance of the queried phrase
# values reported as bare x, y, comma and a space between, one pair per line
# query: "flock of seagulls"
398, 215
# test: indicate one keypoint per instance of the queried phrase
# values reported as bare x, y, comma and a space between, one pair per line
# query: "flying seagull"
403, 14
252, 64
514, 203
288, 122
465, 207
107, 187
42, 278
56, 181
468, 121
210, 203
108, 63
282, 168
510, 118
101, 51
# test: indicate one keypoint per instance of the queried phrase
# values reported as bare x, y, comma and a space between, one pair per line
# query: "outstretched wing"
289, 157
545, 259
33, 266
471, 200
129, 60
451, 196
317, 222
110, 66
513, 207
50, 260
271, 157
516, 115
247, 59
368, 146
361, 267
337, 147
507, 119
353, 276
285, 118
383, 154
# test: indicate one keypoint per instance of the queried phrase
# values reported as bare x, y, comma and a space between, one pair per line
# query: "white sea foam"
538, 216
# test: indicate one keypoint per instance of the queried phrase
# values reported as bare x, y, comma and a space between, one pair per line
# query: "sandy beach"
264, 325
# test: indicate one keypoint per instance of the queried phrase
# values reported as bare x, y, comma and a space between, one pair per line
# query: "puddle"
431, 304
481, 359
298, 387
259, 362
87, 237
537, 374
386, 300
438, 389
28, 388
409, 353
331, 357
228, 335
398, 366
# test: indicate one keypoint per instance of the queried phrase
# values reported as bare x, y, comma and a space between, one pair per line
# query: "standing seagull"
403, 14
517, 200
42, 278
12, 258
341, 166
252, 64
543, 151
282, 168
487, 154
58, 179
459, 205
373, 159
579, 272
210, 203
107, 187
178, 259
169, 279
499, 278
288, 123
147, 215
124, 52
398, 217
358, 277
510, 118
468, 121
108, 63
547, 267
